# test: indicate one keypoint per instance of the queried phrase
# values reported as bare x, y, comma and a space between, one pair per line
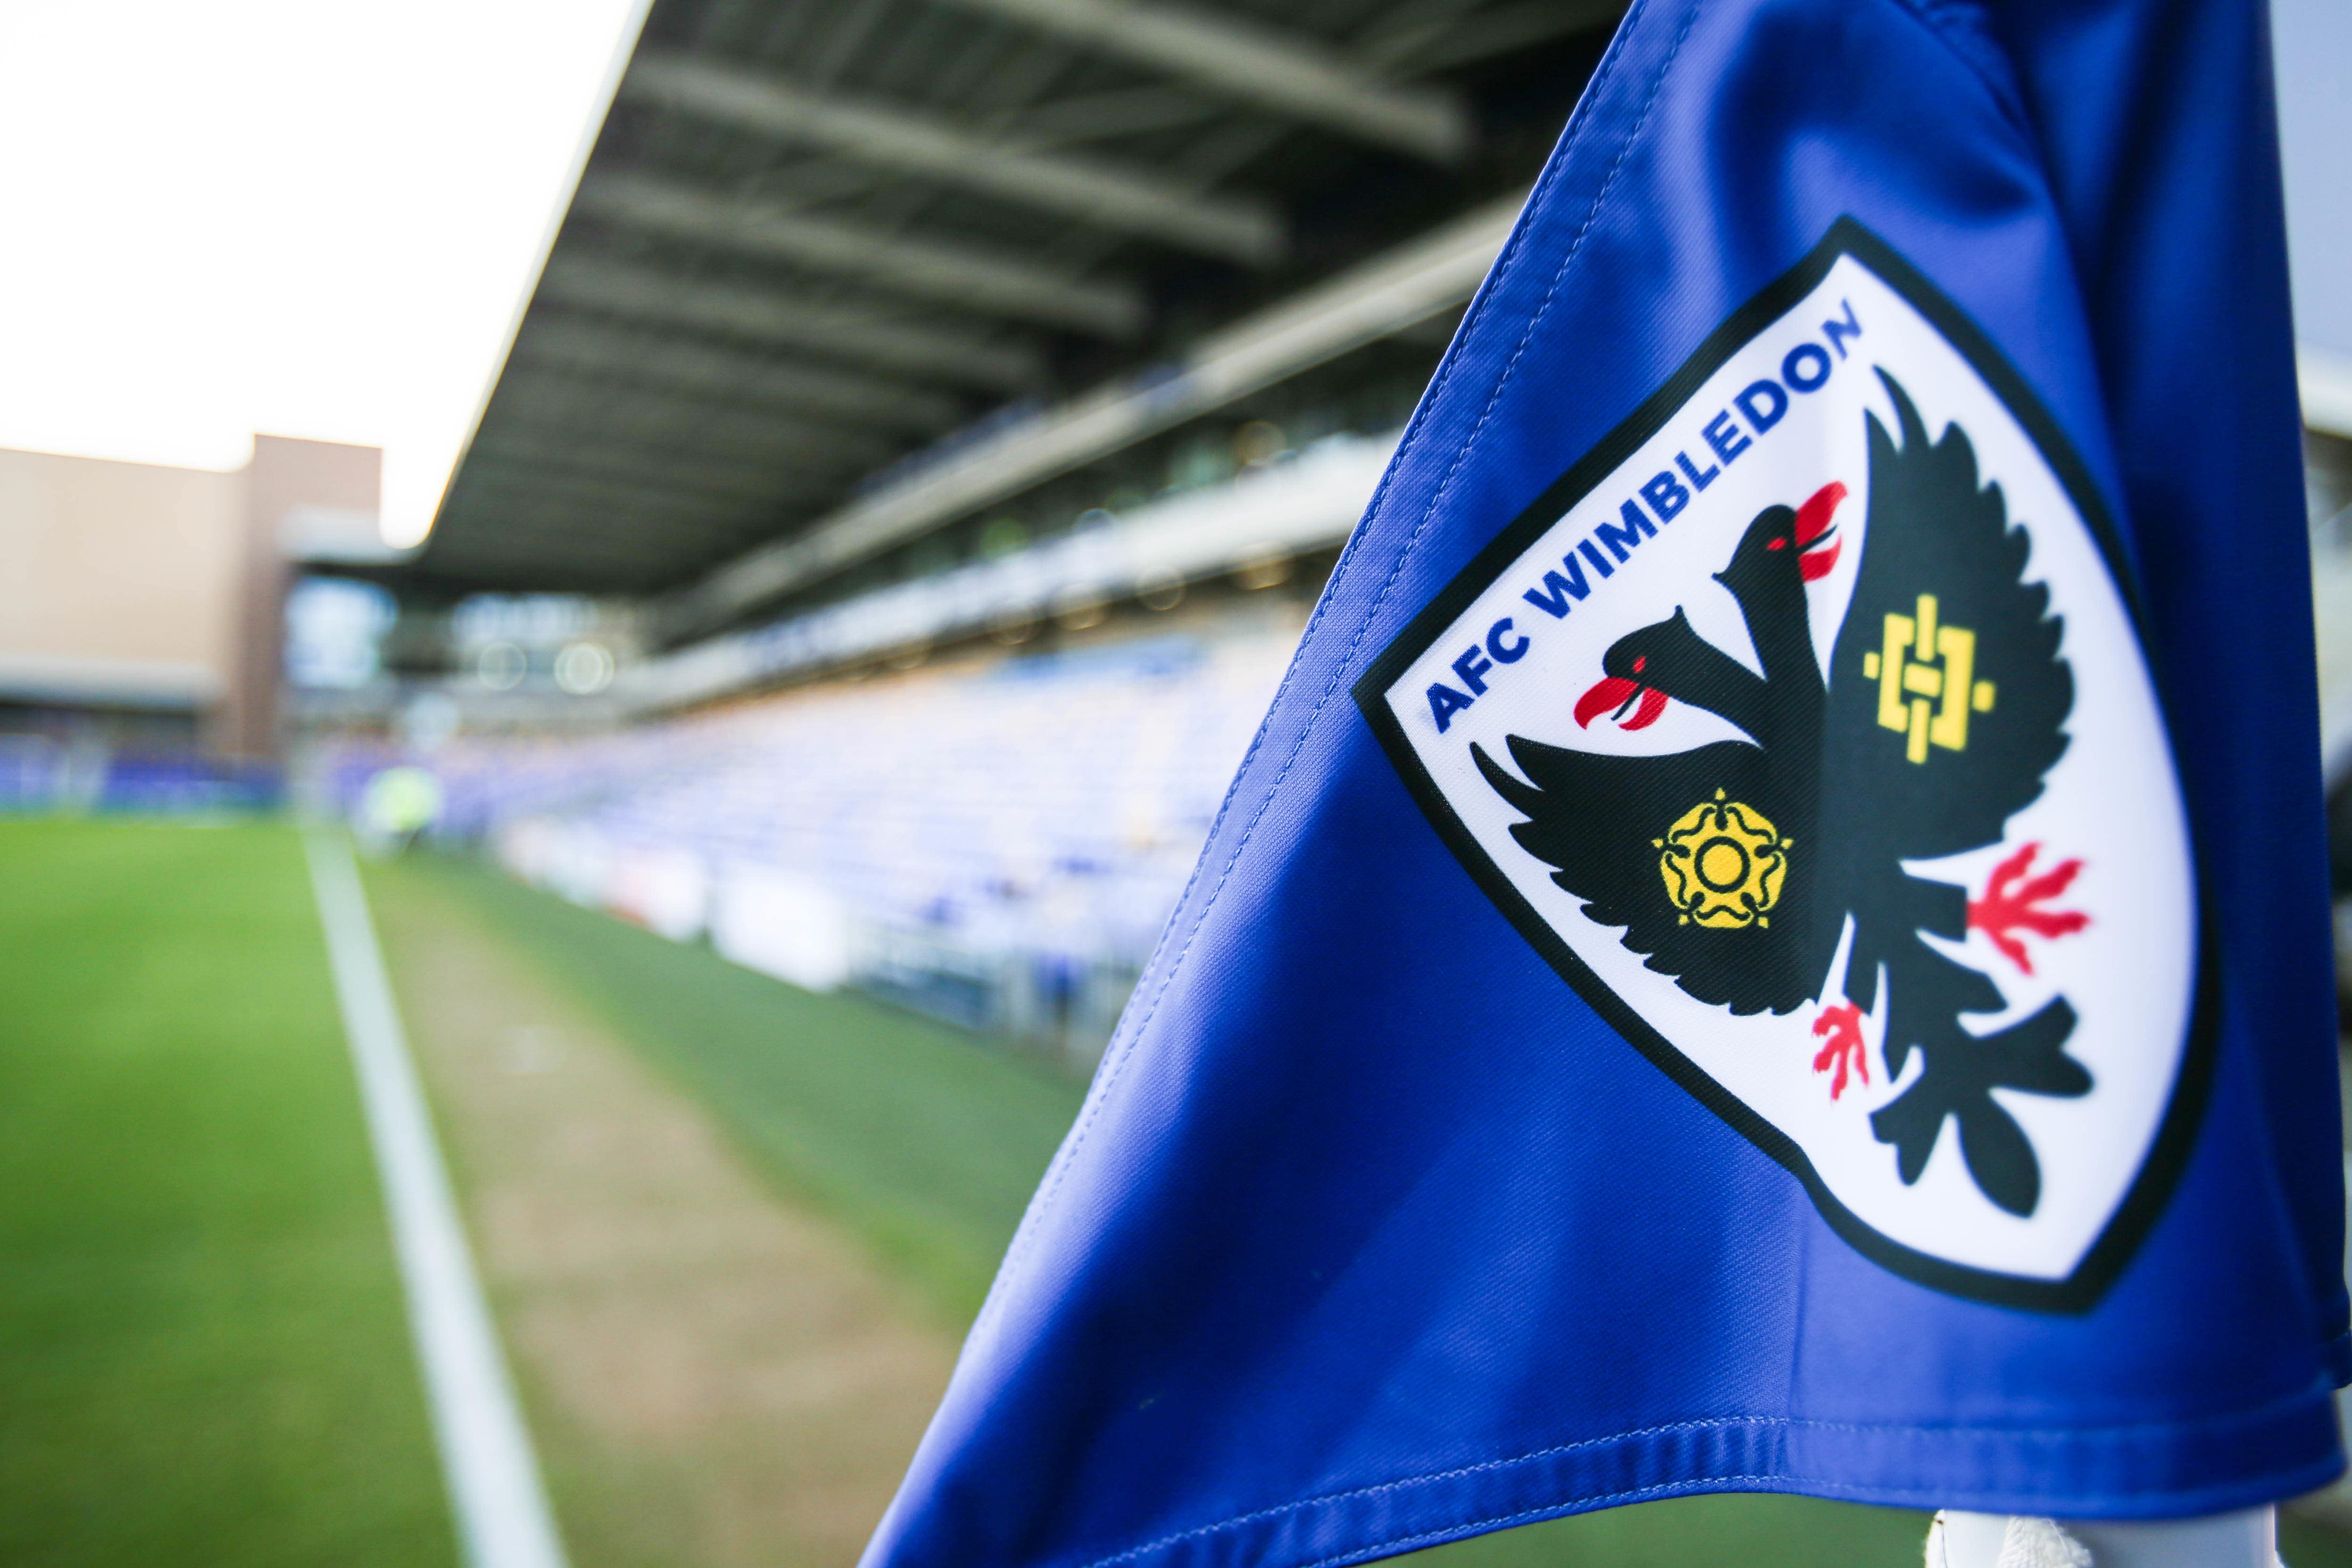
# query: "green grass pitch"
925, 1144
203, 1352
928, 1144
204, 1356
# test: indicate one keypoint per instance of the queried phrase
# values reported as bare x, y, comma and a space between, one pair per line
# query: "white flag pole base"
2245, 1540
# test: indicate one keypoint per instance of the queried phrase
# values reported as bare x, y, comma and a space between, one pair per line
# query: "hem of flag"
2155, 1470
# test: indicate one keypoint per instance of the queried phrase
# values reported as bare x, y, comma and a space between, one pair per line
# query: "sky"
318, 217
2315, 87
302, 218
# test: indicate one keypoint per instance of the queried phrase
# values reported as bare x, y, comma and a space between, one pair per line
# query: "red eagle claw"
2007, 909
1841, 1024
1816, 561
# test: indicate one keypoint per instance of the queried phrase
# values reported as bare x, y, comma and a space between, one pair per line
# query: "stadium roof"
839, 271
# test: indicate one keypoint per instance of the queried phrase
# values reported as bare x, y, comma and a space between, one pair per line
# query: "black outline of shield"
2168, 1152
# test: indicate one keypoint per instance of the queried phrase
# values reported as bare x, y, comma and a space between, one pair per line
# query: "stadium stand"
41, 775
879, 341
997, 845
912, 466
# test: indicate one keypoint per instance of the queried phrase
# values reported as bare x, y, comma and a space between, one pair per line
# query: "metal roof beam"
673, 448
1404, 286
591, 350
508, 492
672, 421
523, 520
1093, 193
618, 531
546, 520
555, 534
545, 560
706, 482
525, 524
1417, 48
1295, 77
583, 565
660, 382
560, 537
524, 442
967, 277
676, 461
864, 337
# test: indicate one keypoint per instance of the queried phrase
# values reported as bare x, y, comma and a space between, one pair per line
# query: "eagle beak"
1606, 693
1817, 547
1615, 693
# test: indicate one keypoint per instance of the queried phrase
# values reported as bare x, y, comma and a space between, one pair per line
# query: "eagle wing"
1599, 821
1992, 690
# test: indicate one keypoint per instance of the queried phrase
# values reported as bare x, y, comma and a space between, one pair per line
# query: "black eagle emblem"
1734, 867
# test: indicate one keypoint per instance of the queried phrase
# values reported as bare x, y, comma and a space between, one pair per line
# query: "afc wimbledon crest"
1805, 728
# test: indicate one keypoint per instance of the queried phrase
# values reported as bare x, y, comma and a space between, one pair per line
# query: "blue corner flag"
1775, 937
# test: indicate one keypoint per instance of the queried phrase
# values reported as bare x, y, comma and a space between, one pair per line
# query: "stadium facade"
141, 642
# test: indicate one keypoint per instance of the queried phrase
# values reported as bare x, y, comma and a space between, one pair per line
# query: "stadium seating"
999, 845
39, 775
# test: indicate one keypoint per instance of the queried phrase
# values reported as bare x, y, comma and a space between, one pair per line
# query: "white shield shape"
1806, 729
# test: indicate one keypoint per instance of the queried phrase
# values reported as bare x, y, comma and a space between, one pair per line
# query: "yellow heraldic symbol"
1724, 862
1919, 699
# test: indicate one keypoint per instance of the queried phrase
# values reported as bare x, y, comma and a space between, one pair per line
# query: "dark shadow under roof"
815, 236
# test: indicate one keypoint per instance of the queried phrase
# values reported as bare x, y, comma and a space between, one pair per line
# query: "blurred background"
772, 523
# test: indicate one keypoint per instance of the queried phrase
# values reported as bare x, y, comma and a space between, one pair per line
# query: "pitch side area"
731, 1231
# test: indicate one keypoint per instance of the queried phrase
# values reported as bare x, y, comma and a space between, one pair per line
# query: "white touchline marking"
503, 1517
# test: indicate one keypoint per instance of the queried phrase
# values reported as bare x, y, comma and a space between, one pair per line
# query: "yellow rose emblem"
1724, 862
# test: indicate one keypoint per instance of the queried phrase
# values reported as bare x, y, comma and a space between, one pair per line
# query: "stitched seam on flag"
1516, 246
1773, 1481
1481, 1469
1530, 1515
1421, 417
1755, 1422
1024, 1236
1123, 1037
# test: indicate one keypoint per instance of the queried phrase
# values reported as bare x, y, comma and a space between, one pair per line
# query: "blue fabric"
1371, 1234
